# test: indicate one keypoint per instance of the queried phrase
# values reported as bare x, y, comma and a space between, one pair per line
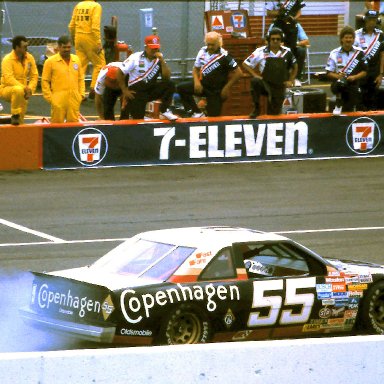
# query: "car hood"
112, 281
356, 267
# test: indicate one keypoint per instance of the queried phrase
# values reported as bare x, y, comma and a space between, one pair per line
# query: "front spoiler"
83, 331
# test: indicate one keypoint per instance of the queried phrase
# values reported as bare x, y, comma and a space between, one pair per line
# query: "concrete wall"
356, 359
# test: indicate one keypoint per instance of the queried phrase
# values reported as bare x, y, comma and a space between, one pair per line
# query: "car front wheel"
373, 309
185, 325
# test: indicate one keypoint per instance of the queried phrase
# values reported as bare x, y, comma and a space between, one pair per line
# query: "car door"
280, 293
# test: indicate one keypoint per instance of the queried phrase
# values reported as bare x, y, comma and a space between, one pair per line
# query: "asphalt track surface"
53, 220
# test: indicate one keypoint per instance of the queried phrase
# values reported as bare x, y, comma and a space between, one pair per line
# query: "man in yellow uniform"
84, 28
63, 84
19, 77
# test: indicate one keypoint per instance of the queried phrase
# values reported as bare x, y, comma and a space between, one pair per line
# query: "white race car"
207, 284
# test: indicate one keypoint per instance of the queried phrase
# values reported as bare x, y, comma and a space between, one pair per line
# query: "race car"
208, 284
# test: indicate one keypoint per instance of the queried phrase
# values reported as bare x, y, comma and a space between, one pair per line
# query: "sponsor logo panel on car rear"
70, 300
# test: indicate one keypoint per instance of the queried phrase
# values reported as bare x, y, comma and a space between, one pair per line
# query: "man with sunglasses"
273, 68
371, 40
19, 77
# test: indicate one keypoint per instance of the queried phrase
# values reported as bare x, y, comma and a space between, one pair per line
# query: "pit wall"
355, 359
191, 141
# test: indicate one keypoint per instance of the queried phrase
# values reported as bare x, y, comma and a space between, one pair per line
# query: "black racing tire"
186, 324
372, 314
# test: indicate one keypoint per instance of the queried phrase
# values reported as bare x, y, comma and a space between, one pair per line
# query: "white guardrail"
357, 359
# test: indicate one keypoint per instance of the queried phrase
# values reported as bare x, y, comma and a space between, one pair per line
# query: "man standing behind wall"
19, 77
370, 40
62, 83
84, 28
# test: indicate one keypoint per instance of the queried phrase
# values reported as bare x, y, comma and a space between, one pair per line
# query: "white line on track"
331, 230
63, 242
60, 241
31, 231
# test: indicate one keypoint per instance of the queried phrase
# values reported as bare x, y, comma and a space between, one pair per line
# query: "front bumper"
82, 331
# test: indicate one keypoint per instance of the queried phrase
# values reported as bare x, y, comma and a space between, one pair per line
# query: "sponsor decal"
89, 147
340, 295
363, 135
107, 308
311, 327
255, 266
238, 20
357, 287
47, 297
319, 321
240, 140
135, 332
321, 288
229, 318
324, 295
217, 22
241, 335
349, 322
324, 313
365, 279
356, 293
336, 321
338, 312
337, 287
350, 314
335, 279
200, 258
136, 306
341, 302
351, 280
328, 302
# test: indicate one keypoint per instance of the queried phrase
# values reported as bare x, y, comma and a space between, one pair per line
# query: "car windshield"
144, 258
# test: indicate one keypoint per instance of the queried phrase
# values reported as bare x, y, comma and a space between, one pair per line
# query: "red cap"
112, 73
152, 41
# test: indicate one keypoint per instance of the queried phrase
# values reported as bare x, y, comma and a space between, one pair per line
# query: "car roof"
217, 236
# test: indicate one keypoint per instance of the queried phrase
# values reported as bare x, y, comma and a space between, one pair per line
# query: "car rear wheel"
373, 309
185, 325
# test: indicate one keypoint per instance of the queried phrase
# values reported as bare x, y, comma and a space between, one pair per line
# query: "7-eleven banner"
214, 140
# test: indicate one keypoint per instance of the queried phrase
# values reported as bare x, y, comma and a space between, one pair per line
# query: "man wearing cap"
370, 40
107, 92
144, 69
62, 83
214, 72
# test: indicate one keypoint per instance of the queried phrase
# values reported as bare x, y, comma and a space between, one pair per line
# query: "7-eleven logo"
238, 20
90, 146
363, 135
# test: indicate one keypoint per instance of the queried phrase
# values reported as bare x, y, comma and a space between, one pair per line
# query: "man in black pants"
273, 68
371, 40
346, 66
107, 92
211, 77
144, 68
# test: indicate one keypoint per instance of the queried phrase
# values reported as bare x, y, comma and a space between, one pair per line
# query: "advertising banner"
209, 141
